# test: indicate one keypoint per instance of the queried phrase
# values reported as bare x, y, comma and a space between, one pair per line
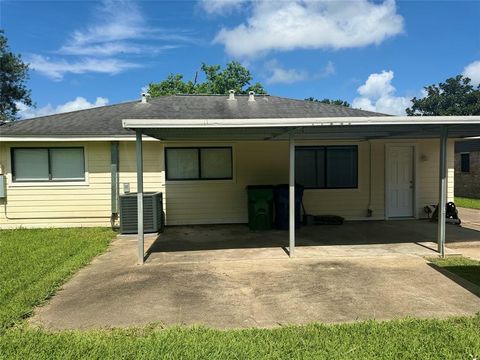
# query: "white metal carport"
291, 129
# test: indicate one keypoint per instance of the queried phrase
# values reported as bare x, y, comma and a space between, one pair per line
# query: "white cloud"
221, 6
56, 69
363, 103
113, 48
377, 85
79, 103
378, 94
328, 70
118, 30
311, 24
472, 71
280, 75
115, 20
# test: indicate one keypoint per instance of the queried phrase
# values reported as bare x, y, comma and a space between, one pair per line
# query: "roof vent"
251, 96
145, 97
231, 94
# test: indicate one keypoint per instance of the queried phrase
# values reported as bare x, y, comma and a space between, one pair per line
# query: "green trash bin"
260, 207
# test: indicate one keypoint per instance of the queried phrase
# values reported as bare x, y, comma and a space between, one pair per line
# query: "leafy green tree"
173, 84
217, 81
13, 76
455, 96
330, 101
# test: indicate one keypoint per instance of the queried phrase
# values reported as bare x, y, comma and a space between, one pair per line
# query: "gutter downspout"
369, 207
115, 184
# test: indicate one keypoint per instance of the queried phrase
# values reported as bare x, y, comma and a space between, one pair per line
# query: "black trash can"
281, 196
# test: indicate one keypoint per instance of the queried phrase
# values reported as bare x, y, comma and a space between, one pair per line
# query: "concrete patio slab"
471, 221
115, 292
352, 239
470, 218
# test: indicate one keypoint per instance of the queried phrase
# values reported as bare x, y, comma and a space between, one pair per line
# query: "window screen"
48, 164
206, 163
465, 162
326, 167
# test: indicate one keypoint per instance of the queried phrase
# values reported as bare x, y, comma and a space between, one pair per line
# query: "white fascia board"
63, 138
299, 122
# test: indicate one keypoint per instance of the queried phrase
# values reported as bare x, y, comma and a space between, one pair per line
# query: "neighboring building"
68, 169
467, 168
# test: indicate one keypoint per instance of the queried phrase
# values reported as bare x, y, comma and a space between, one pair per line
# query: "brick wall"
468, 184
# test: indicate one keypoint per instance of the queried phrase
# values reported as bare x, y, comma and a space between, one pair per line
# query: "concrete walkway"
470, 220
115, 292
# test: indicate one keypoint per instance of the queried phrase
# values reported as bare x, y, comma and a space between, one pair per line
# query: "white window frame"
42, 183
179, 144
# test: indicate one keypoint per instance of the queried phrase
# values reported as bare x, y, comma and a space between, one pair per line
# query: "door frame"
415, 178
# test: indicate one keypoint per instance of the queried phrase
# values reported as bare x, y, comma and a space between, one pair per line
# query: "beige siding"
87, 204
225, 201
267, 163
204, 202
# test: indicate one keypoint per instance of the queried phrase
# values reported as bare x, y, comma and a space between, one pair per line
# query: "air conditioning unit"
152, 213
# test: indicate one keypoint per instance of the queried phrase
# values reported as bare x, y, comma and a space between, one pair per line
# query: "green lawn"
408, 339
33, 263
470, 203
464, 267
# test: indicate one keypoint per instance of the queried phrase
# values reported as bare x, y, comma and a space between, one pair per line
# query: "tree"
329, 101
217, 81
456, 96
13, 76
174, 84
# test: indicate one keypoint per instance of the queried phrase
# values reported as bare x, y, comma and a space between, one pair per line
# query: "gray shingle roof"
107, 120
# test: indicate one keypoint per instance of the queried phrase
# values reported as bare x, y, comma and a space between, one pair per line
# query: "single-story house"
201, 151
467, 168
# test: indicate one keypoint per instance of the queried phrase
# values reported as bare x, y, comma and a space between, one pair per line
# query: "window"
203, 163
465, 162
48, 164
327, 167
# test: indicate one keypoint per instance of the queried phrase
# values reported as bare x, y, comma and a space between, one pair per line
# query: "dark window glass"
465, 160
305, 162
341, 167
327, 167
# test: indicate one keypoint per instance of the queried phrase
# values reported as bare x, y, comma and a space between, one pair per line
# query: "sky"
374, 54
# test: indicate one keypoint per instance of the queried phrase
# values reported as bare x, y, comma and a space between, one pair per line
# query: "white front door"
400, 180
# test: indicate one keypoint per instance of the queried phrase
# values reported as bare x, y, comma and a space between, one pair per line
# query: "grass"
456, 338
464, 267
34, 263
470, 203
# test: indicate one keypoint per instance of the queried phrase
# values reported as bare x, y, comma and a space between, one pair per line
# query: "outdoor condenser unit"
152, 212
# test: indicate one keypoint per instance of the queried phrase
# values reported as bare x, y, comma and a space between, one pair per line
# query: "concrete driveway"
470, 220
233, 293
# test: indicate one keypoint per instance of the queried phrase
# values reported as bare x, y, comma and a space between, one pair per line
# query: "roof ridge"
205, 95
79, 110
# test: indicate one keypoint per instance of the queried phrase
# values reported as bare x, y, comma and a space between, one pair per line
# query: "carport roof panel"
306, 128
